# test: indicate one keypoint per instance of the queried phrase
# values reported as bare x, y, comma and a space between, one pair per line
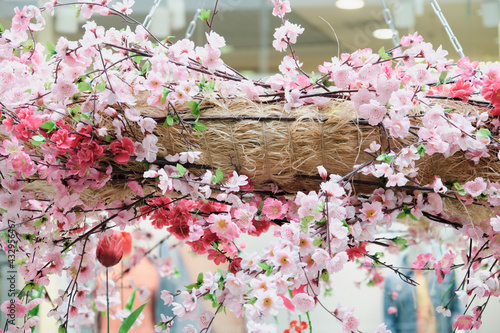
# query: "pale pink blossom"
281, 7
274, 209
303, 302
475, 187
165, 182
166, 297
124, 7
373, 111
322, 172
215, 40
235, 182
287, 33
189, 156
374, 147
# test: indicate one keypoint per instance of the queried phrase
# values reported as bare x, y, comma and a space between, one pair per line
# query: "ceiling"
248, 27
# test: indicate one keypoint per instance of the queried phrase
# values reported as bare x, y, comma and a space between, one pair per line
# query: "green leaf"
190, 287
198, 126
181, 169
38, 140
344, 222
169, 120
264, 266
442, 77
321, 222
84, 86
421, 150
29, 237
40, 221
137, 59
163, 98
130, 301
413, 217
1, 28
101, 86
325, 276
130, 320
401, 215
200, 279
145, 67
62, 329
28, 45
219, 175
204, 15
399, 240
483, 133
51, 49
383, 54
304, 223
460, 189
385, 158
74, 112
318, 241
320, 207
195, 108
252, 300
48, 125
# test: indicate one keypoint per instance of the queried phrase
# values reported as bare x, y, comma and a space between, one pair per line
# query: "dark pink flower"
122, 150
110, 249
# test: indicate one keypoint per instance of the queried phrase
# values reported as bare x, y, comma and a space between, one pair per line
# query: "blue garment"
405, 319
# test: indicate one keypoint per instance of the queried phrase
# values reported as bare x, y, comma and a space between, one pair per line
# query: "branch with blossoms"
84, 153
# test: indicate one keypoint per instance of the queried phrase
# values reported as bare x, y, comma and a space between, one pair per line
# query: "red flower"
461, 89
217, 257
356, 251
235, 265
122, 150
127, 244
110, 249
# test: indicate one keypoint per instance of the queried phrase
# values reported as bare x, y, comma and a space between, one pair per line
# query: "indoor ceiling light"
350, 4
383, 33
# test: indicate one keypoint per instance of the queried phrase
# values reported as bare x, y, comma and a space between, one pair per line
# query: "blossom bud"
322, 172
110, 249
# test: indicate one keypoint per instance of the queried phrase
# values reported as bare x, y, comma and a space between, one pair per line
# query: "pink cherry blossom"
281, 7
21, 20
475, 187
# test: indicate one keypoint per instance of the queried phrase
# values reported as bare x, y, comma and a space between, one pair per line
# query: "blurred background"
248, 26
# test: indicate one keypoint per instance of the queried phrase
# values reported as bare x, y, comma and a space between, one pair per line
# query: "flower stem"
107, 299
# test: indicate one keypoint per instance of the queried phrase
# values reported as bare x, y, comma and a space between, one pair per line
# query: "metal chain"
192, 24
149, 18
453, 38
390, 23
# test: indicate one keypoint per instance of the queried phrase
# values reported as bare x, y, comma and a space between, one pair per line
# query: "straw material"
271, 147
